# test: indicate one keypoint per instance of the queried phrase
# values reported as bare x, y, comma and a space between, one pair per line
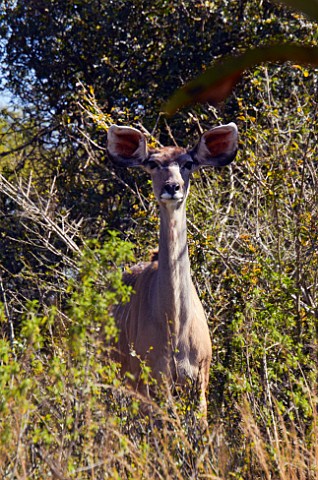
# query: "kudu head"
170, 167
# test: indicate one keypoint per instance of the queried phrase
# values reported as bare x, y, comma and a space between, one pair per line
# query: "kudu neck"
174, 279
173, 236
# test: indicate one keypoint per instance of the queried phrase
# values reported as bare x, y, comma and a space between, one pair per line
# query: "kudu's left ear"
217, 147
126, 146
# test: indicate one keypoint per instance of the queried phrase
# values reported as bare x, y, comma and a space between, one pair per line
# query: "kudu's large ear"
126, 146
217, 147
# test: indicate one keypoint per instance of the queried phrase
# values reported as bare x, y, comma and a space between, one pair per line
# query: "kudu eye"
152, 165
188, 165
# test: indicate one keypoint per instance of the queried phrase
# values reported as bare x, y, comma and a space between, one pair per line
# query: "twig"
54, 469
7, 312
32, 211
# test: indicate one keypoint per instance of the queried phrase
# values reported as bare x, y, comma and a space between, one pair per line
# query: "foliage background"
74, 67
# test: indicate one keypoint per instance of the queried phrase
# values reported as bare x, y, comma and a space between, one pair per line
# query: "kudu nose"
172, 188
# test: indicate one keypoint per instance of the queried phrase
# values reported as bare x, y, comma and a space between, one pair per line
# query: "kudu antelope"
164, 323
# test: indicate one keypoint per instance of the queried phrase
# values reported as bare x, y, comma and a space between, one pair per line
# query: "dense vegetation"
70, 222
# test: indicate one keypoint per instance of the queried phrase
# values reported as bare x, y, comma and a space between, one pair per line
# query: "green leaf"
217, 82
308, 7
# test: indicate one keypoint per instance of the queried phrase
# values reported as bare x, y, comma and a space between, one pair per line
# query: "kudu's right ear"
126, 146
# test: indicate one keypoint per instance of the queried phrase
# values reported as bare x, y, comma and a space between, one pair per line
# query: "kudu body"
164, 323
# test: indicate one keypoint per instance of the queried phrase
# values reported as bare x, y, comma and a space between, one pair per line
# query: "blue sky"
5, 98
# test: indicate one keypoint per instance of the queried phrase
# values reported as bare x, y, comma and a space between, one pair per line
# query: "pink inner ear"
218, 142
127, 145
